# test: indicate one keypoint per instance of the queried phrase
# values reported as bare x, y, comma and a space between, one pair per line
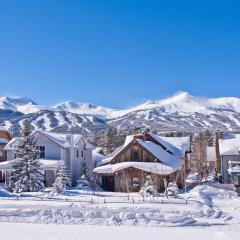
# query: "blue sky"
118, 53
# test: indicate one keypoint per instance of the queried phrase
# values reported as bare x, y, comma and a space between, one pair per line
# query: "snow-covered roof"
112, 155
157, 168
60, 139
230, 145
10, 143
46, 164
3, 128
3, 140
97, 150
161, 154
97, 157
211, 154
177, 145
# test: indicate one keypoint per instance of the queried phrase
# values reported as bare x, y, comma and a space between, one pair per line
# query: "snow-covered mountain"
179, 112
20, 104
85, 108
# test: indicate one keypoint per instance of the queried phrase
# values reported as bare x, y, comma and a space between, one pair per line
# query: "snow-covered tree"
149, 189
85, 170
84, 184
62, 182
172, 189
26, 174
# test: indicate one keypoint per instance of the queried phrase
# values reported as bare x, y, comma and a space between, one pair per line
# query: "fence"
106, 200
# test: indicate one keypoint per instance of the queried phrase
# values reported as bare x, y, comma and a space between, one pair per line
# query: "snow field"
13, 231
205, 207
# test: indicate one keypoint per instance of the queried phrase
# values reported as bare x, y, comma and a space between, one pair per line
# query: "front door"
108, 183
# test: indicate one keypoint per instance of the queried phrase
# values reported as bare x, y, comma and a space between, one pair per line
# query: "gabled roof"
10, 143
58, 138
230, 145
161, 154
159, 151
178, 146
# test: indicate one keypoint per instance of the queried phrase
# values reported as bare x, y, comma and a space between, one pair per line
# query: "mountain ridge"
182, 111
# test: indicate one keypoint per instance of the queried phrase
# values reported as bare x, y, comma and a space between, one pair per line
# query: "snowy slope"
182, 112
20, 104
85, 108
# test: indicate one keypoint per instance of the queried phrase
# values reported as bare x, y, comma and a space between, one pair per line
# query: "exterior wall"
10, 155
3, 154
76, 164
219, 135
125, 180
224, 166
52, 150
127, 156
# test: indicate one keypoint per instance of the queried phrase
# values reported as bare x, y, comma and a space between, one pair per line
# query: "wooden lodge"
144, 154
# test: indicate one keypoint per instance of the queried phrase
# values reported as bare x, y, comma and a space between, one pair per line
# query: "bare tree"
125, 182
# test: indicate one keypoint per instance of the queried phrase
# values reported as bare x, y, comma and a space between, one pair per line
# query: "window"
82, 153
77, 154
135, 155
135, 182
42, 151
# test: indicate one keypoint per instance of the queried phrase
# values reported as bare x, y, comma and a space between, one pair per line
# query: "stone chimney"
218, 135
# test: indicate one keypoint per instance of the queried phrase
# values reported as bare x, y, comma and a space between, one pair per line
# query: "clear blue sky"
118, 53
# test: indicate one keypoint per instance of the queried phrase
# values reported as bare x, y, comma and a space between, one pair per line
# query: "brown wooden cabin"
132, 151
5, 137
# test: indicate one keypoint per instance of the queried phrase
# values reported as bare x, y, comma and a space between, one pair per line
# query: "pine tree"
84, 184
26, 174
111, 141
85, 170
62, 182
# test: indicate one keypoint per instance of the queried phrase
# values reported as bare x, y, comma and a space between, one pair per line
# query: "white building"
229, 148
55, 148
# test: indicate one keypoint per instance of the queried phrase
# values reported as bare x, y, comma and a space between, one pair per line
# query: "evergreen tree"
62, 182
84, 184
26, 174
111, 141
85, 170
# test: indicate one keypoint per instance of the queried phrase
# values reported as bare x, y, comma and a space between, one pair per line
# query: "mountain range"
181, 112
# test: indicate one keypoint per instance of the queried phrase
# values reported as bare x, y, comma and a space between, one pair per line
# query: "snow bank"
201, 210
6, 194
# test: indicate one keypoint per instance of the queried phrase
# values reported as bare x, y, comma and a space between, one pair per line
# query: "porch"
131, 176
49, 167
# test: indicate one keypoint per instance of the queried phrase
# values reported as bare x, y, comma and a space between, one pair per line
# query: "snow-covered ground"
213, 210
13, 231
